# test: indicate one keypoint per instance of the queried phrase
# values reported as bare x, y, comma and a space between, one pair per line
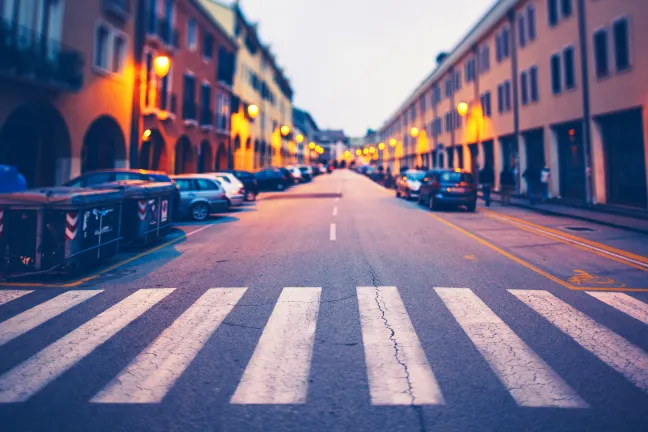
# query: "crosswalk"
279, 370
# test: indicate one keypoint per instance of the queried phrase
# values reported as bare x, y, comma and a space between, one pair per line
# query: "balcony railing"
189, 111
119, 8
30, 56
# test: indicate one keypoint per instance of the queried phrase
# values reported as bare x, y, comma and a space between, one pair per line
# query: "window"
448, 87
505, 43
185, 185
118, 54
486, 104
485, 59
507, 96
423, 106
457, 80
208, 45
521, 30
457, 120
102, 36
601, 59
621, 45
556, 84
524, 87
152, 17
533, 81
448, 121
552, 12
206, 185
189, 97
498, 47
531, 27
500, 98
570, 76
191, 34
470, 70
567, 8
205, 104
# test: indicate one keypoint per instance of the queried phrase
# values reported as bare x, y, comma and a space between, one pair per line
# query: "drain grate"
578, 228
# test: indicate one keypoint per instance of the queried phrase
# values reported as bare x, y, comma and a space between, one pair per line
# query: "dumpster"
58, 229
147, 210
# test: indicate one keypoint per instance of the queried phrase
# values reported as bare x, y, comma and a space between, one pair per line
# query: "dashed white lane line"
32, 318
397, 368
149, 377
8, 295
332, 232
280, 365
30, 376
530, 381
611, 348
626, 304
335, 211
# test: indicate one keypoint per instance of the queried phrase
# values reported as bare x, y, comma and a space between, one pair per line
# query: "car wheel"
250, 196
397, 193
199, 212
472, 207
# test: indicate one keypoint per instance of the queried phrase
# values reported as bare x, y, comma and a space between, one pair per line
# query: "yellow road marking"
570, 237
529, 265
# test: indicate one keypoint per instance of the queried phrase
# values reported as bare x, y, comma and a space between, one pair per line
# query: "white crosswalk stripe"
611, 348
26, 379
398, 370
529, 380
32, 318
8, 295
278, 370
150, 376
623, 302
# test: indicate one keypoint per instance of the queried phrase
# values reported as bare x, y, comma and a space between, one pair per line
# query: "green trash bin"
60, 229
147, 210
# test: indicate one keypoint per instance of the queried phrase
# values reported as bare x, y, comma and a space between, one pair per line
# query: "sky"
352, 63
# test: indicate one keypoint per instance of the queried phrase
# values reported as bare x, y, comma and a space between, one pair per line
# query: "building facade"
66, 76
259, 81
559, 83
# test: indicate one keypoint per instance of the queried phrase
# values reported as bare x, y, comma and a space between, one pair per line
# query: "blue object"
11, 180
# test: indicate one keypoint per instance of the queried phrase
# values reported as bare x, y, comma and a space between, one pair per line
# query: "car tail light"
242, 190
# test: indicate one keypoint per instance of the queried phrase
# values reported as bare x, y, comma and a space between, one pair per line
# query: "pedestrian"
487, 178
507, 183
388, 177
532, 177
545, 175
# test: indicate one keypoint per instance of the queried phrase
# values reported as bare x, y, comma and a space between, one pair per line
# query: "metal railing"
31, 56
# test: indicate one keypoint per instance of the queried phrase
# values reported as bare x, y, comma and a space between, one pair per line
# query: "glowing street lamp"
161, 65
372, 150
311, 145
414, 132
392, 142
285, 130
381, 146
347, 154
147, 134
365, 152
253, 111
462, 108
358, 152
299, 138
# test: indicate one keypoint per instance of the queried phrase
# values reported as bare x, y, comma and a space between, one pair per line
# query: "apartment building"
306, 131
184, 115
66, 80
559, 83
261, 83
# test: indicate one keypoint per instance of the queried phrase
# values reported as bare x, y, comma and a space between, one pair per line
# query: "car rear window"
160, 177
456, 177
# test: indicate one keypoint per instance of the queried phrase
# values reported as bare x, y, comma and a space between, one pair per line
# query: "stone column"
522, 162
551, 152
598, 172
498, 160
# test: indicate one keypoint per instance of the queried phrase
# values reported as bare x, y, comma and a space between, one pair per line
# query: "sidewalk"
636, 224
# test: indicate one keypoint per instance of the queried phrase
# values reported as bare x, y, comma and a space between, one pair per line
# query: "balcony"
29, 56
159, 30
118, 8
189, 112
206, 118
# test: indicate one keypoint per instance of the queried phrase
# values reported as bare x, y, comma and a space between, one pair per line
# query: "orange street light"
161, 66
414, 132
358, 152
285, 130
347, 154
381, 146
392, 142
372, 150
253, 111
311, 145
147, 134
299, 138
365, 152
462, 108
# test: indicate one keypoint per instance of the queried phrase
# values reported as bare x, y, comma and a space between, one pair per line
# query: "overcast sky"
353, 62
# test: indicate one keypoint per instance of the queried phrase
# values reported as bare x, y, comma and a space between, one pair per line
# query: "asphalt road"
337, 307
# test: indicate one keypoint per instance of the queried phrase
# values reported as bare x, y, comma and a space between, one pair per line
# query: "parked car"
271, 179
200, 196
448, 187
249, 182
295, 174
234, 189
93, 178
409, 184
306, 173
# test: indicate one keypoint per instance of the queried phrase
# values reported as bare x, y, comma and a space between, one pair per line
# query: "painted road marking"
335, 211
8, 295
626, 304
611, 348
32, 318
529, 380
398, 370
332, 232
619, 255
280, 365
149, 377
26, 379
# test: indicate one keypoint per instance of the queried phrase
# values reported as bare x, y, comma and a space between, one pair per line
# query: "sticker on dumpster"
153, 212
165, 211
71, 225
141, 210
